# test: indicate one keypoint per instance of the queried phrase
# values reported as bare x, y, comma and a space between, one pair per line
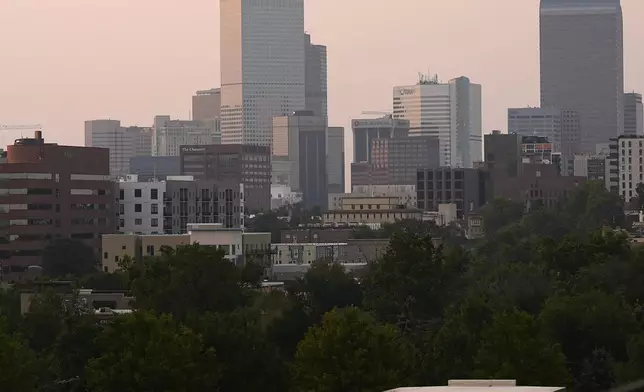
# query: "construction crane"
17, 127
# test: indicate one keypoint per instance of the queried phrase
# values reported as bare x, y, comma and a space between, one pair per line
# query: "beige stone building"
357, 210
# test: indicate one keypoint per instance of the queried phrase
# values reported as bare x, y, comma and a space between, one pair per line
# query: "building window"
138, 208
155, 222
154, 209
105, 255
121, 223
137, 193
122, 194
154, 194
149, 250
121, 209
138, 221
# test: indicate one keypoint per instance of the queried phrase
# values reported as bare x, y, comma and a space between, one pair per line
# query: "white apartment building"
630, 161
262, 67
140, 206
124, 143
450, 111
170, 135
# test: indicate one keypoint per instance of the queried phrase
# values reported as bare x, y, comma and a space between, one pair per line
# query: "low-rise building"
238, 245
463, 187
292, 261
358, 210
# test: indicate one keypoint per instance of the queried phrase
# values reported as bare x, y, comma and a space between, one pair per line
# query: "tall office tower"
450, 111
170, 135
124, 143
335, 159
299, 141
262, 67
206, 105
633, 114
366, 130
316, 78
582, 65
561, 127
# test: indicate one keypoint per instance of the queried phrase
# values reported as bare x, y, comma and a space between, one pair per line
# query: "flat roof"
478, 389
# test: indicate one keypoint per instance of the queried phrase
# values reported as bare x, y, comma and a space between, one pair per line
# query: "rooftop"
479, 386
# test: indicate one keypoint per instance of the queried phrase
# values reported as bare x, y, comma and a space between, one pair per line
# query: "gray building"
561, 127
206, 105
315, 91
335, 159
463, 187
149, 168
591, 166
202, 201
395, 161
633, 114
582, 65
248, 164
366, 130
299, 141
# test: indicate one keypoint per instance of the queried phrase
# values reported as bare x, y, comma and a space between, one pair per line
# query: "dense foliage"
549, 297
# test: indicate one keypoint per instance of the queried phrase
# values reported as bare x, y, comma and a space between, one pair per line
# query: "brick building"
48, 192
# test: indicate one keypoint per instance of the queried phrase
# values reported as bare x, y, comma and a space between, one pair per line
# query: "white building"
630, 161
170, 135
140, 206
124, 143
230, 240
262, 67
450, 111
480, 386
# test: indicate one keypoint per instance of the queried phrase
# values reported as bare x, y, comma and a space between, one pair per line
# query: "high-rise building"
123, 143
561, 127
582, 65
206, 105
450, 111
299, 140
627, 154
335, 159
262, 67
366, 130
238, 163
316, 78
170, 135
633, 114
52, 192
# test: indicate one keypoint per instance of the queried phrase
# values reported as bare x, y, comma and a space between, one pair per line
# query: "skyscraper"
450, 111
262, 66
582, 66
316, 78
633, 114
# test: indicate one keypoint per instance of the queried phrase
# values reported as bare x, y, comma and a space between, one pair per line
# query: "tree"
65, 257
349, 351
18, 364
143, 352
639, 190
413, 283
326, 286
513, 347
249, 361
191, 278
500, 213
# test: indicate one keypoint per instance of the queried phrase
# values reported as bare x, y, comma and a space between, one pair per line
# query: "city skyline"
113, 62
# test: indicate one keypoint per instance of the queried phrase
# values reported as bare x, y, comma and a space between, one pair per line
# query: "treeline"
549, 298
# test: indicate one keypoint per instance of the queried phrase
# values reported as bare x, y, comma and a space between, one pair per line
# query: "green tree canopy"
350, 351
143, 352
19, 368
65, 257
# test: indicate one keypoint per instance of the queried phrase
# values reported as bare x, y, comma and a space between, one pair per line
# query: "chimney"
38, 135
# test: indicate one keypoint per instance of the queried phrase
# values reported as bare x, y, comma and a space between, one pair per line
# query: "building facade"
170, 135
536, 149
245, 164
262, 67
335, 159
299, 145
140, 206
630, 165
206, 105
449, 111
561, 127
316, 79
582, 65
123, 143
370, 210
463, 187
366, 130
155, 168
591, 166
633, 114
50, 192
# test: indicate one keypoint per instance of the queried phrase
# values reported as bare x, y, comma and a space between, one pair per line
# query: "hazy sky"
66, 61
